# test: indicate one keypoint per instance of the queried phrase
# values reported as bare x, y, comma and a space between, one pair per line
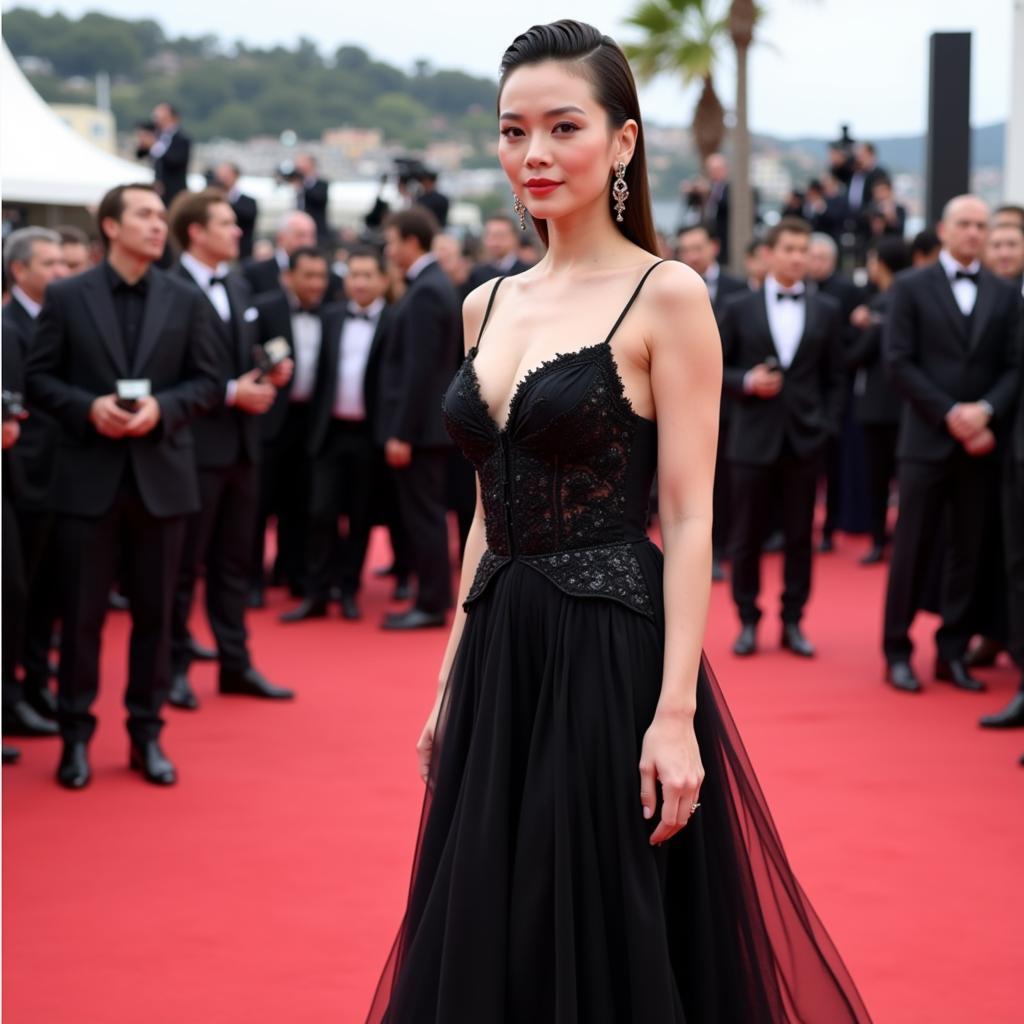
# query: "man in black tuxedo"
823, 276
311, 195
952, 349
501, 252
783, 367
32, 262
295, 230
297, 314
876, 406
228, 451
698, 248
884, 215
122, 334
169, 148
825, 207
860, 193
246, 210
432, 200
416, 368
340, 437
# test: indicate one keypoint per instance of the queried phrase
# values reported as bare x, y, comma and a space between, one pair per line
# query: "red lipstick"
540, 187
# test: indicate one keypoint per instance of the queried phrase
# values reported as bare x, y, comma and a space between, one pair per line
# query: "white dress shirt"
28, 304
162, 144
965, 292
306, 333
204, 275
420, 265
786, 318
353, 355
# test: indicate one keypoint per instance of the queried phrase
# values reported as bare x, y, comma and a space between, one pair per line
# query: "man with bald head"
951, 347
716, 206
295, 230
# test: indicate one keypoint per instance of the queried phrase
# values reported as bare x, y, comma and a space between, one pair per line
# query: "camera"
286, 172
13, 405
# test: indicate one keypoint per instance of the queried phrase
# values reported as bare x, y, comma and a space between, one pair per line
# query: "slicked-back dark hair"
602, 63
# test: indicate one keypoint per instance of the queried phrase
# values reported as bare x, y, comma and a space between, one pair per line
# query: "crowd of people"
175, 389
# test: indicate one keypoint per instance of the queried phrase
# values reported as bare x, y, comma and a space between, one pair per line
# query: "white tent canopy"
41, 159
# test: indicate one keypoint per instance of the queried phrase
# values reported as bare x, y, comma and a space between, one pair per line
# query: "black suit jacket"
12, 368
484, 272
313, 199
437, 204
875, 401
77, 355
728, 289
809, 407
171, 169
934, 362
265, 276
417, 362
246, 212
327, 372
226, 436
33, 460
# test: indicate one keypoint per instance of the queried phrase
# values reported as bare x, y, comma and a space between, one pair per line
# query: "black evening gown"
535, 896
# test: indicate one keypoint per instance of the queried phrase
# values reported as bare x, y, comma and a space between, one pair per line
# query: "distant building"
98, 126
353, 143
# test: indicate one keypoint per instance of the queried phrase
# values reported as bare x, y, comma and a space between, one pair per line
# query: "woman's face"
557, 147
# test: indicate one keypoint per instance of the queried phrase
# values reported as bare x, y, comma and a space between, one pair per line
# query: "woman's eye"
508, 132
565, 128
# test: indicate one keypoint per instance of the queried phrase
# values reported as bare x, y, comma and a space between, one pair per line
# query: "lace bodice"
565, 482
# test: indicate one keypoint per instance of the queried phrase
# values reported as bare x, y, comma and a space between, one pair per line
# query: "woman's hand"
425, 745
670, 755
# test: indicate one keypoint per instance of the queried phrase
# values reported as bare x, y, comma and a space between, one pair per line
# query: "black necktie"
966, 275
795, 296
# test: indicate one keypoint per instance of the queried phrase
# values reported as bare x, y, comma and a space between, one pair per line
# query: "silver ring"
694, 807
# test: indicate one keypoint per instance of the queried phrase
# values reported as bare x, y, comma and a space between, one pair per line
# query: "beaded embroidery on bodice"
565, 482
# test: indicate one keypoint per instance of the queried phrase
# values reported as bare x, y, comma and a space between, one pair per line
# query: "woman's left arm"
686, 382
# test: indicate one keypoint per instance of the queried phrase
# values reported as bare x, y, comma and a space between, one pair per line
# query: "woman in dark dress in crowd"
594, 847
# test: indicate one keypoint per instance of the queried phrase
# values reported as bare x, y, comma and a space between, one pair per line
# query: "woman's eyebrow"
508, 115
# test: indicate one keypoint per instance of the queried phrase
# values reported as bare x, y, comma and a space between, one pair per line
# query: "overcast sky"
824, 62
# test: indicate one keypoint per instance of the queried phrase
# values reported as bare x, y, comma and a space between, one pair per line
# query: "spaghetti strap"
487, 312
629, 305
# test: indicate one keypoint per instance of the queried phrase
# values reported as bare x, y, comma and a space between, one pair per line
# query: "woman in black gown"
577, 727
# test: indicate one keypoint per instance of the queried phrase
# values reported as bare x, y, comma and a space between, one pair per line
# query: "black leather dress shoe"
746, 642
403, 590
21, 719
198, 652
955, 672
1011, 717
984, 653
182, 695
900, 675
350, 608
307, 609
717, 571
42, 699
414, 618
74, 772
793, 639
252, 683
874, 556
254, 599
12, 755
153, 764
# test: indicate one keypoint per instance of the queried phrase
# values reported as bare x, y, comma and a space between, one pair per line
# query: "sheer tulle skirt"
535, 894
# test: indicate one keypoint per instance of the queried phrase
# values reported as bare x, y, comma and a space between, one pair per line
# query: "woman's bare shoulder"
674, 286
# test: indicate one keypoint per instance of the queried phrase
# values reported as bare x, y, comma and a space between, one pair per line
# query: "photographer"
170, 149
311, 194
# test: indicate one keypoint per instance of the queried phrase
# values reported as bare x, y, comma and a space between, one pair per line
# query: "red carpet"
266, 887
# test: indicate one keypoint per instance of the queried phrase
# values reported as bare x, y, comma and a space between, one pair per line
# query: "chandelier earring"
620, 191
520, 207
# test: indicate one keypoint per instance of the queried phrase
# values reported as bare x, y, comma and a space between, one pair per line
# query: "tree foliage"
230, 90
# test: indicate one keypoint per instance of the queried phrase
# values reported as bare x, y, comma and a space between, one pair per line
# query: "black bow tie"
308, 310
966, 275
353, 315
795, 296
218, 280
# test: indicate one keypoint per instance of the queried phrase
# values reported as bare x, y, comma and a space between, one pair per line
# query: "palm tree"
683, 37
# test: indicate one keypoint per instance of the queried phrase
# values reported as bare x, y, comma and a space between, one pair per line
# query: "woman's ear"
627, 136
